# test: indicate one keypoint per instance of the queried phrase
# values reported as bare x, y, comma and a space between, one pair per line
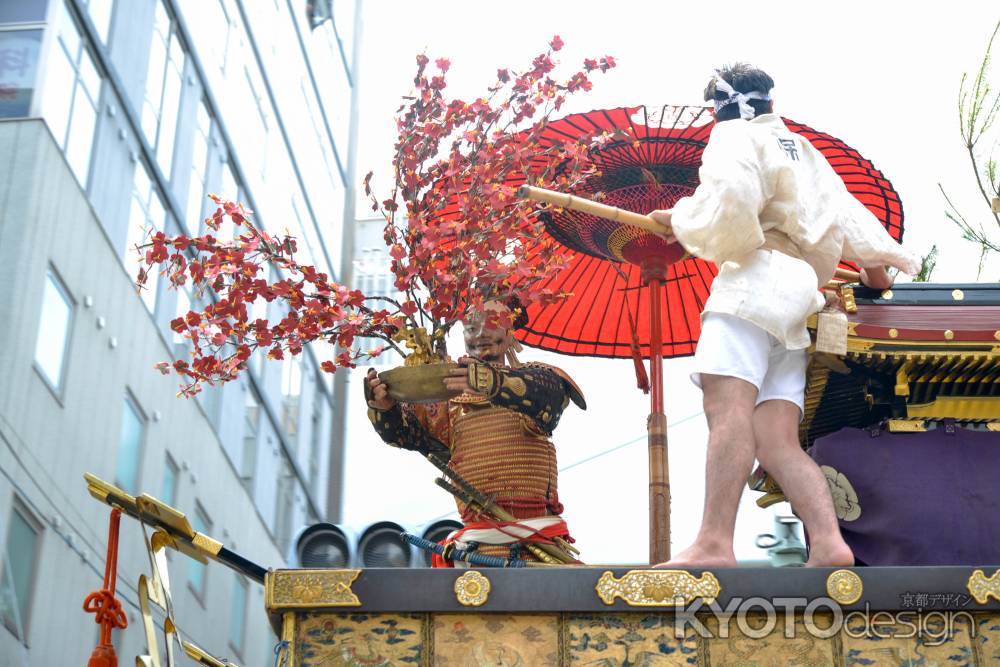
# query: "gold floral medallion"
472, 589
844, 586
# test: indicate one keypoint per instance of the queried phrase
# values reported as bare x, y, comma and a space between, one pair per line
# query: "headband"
734, 97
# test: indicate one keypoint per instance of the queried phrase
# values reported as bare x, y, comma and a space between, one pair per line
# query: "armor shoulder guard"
575, 394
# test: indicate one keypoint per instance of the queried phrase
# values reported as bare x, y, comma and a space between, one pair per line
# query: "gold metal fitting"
844, 586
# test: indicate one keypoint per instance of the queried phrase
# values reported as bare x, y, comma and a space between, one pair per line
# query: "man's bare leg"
729, 404
776, 425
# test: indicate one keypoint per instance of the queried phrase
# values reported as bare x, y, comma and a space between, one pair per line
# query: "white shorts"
734, 347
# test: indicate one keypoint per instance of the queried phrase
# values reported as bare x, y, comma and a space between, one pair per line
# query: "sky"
882, 76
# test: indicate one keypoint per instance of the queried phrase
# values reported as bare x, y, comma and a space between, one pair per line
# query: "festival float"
497, 199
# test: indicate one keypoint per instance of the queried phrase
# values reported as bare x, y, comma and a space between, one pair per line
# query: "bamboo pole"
621, 215
656, 432
583, 205
847, 276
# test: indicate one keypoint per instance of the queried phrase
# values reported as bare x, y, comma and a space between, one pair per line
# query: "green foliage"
927, 264
978, 108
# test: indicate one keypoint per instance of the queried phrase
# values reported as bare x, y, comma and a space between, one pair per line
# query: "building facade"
117, 118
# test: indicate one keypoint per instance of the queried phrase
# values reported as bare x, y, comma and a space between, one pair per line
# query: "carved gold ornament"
845, 498
658, 588
844, 586
287, 589
516, 386
982, 587
472, 589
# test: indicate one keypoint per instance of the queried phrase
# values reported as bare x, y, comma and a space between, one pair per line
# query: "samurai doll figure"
497, 433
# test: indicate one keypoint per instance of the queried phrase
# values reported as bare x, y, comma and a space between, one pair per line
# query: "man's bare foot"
836, 554
697, 556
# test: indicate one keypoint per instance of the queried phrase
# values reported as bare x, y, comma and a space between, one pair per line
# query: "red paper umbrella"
632, 294
653, 171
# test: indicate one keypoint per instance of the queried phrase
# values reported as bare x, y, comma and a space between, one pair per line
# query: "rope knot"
106, 608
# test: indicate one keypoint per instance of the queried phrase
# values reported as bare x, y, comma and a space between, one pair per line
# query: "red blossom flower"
456, 233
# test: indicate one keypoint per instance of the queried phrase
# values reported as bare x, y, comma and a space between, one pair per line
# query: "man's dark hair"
744, 78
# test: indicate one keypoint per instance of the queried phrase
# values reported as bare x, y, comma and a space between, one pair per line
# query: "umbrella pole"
656, 428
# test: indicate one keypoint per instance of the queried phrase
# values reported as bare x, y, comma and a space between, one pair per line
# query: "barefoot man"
776, 219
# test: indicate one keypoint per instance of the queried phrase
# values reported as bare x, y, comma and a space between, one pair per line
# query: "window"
287, 484
31, 11
228, 189
183, 308
53, 331
291, 392
343, 23
199, 166
238, 614
307, 242
19, 52
210, 399
259, 311
146, 216
100, 16
257, 151
317, 438
18, 578
168, 488
163, 89
214, 29
129, 446
251, 434
196, 571
374, 282
336, 93
73, 88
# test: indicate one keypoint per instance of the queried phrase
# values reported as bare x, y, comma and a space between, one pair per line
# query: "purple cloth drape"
929, 498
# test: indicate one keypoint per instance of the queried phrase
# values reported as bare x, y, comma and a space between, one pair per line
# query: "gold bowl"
419, 384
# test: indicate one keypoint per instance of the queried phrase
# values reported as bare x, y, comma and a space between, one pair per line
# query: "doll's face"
484, 339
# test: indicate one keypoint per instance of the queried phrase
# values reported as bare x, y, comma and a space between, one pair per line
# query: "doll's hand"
457, 379
378, 392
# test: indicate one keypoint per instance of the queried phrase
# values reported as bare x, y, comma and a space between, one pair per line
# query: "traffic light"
326, 545
322, 545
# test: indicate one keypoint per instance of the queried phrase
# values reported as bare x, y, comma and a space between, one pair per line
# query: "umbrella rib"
590, 307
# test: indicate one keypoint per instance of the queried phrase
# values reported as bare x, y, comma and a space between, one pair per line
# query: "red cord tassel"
641, 378
107, 610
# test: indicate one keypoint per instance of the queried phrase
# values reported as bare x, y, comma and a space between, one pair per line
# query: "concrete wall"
48, 439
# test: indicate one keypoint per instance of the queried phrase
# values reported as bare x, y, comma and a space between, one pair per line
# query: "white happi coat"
774, 216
